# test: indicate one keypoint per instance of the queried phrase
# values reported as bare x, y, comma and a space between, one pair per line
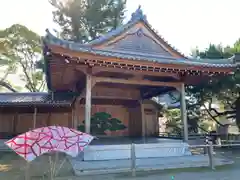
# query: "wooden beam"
97, 69
137, 82
111, 97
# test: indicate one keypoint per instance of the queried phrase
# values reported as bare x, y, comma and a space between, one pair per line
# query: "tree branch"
8, 86
27, 75
213, 118
230, 112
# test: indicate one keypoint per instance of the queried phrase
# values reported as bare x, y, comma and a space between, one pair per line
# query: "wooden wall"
121, 102
151, 119
24, 121
131, 117
117, 111
135, 121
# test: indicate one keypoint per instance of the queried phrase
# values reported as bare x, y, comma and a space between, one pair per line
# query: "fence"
209, 151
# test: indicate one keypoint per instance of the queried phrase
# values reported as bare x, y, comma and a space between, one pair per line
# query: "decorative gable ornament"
138, 15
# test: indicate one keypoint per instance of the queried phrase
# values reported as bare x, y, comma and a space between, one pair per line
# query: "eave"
95, 57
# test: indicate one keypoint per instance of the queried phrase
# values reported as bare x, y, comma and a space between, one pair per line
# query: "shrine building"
117, 73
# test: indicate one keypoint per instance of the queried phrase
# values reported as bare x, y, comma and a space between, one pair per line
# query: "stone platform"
120, 148
114, 156
114, 152
143, 164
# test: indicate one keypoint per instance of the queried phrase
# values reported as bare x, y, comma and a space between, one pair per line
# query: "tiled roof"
50, 39
141, 56
42, 99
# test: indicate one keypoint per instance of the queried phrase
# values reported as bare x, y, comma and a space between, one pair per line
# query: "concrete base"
150, 150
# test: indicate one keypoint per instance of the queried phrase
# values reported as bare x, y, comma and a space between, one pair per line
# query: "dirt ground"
12, 167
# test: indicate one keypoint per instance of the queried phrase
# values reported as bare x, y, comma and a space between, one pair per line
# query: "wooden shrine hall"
117, 73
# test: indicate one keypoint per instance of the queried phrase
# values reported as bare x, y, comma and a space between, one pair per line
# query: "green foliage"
173, 124
20, 50
214, 52
84, 20
101, 122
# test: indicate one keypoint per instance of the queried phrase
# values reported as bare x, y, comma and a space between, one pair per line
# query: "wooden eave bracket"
136, 82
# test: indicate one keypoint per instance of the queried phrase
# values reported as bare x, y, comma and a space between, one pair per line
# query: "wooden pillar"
34, 118
156, 122
73, 117
143, 120
88, 103
75, 114
184, 112
14, 123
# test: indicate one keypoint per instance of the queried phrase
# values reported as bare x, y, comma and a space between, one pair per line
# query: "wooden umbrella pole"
51, 168
61, 165
27, 175
55, 163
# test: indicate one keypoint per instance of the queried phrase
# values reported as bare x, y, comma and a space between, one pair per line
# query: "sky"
185, 24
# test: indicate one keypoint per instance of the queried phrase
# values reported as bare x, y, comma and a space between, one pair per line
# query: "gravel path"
230, 172
227, 174
215, 175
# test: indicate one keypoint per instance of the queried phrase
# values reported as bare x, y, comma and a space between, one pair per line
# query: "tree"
102, 122
20, 50
173, 123
85, 20
224, 90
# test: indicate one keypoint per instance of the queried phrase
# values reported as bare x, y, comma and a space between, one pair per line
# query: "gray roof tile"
29, 99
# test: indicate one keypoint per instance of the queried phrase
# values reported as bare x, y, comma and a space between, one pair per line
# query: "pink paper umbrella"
49, 139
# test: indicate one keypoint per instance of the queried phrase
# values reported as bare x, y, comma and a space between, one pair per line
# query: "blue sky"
183, 23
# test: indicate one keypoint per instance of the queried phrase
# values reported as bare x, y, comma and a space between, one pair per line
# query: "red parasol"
49, 139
